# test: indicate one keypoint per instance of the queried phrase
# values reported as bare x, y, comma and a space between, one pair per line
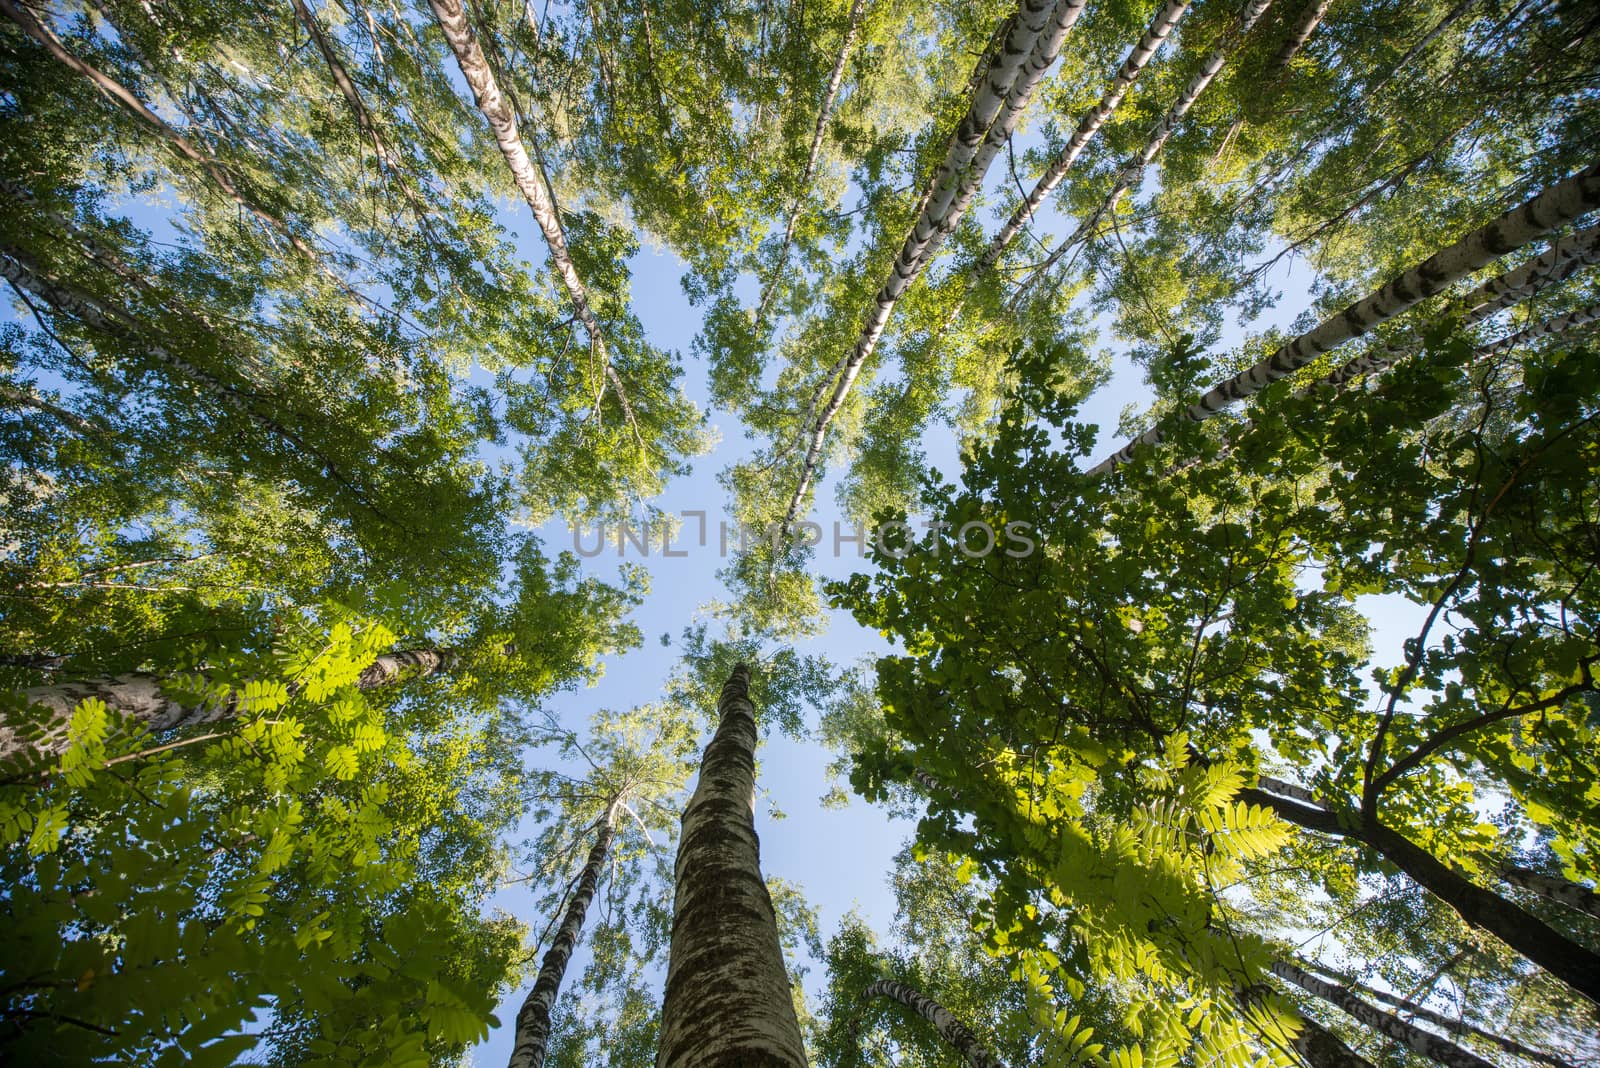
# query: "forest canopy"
1141, 458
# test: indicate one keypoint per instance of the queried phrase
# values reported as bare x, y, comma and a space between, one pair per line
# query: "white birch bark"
141, 696
529, 180
950, 1029
727, 1000
1133, 170
990, 98
1310, 19
533, 1019
1573, 895
1166, 19
1317, 1046
1321, 1048
1414, 1038
1554, 207
1555, 264
829, 99
1549, 328
1460, 1027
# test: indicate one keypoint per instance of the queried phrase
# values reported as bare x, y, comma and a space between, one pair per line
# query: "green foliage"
291, 873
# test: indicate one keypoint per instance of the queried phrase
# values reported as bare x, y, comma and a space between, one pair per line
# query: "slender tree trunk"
829, 99
1412, 1037
140, 696
1133, 171
1317, 1046
1321, 1048
530, 182
1298, 36
1552, 888
1460, 1028
993, 95
1380, 358
1554, 265
127, 99
952, 1030
1527, 934
727, 1001
1554, 207
1549, 328
533, 1019
1088, 126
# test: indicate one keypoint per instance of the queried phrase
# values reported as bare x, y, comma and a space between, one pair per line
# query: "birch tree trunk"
955, 171
533, 1019
1556, 264
1563, 958
1321, 1048
1554, 207
1412, 1037
1549, 328
1298, 36
1133, 171
1461, 1027
1551, 888
140, 696
727, 1002
829, 99
129, 101
529, 180
1088, 126
950, 1029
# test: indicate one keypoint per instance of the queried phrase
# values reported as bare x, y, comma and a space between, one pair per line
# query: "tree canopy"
1208, 385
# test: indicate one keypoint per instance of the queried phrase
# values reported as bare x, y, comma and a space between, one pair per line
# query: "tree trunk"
1554, 207
533, 1019
1381, 358
955, 171
1527, 934
1552, 888
1549, 328
1133, 171
727, 1000
1088, 126
530, 182
1321, 1048
950, 1029
1460, 1027
1412, 1037
829, 99
122, 95
139, 695
1298, 36
1573, 251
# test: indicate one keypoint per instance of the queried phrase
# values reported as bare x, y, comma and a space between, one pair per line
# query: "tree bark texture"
1554, 207
533, 1019
727, 1002
1166, 19
1527, 934
956, 171
1414, 1038
529, 180
1301, 32
950, 1029
1556, 264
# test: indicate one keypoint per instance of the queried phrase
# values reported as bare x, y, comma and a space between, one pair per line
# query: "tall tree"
727, 997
